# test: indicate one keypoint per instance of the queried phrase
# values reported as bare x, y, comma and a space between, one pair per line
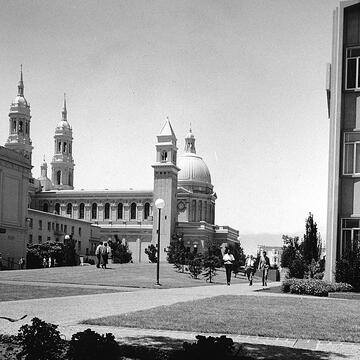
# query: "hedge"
312, 287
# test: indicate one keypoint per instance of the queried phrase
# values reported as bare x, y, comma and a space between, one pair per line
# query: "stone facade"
15, 174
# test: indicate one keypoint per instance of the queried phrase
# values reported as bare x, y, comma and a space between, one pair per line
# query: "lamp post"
159, 204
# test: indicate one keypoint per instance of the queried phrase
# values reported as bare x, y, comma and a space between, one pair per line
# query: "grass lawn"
273, 316
128, 275
23, 292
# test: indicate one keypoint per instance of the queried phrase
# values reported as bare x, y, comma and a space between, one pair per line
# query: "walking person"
264, 265
104, 255
228, 259
98, 255
21, 263
250, 268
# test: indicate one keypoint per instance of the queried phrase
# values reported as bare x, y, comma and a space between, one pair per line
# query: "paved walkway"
67, 312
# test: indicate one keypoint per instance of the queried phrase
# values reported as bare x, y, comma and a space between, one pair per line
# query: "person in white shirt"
98, 255
250, 268
228, 259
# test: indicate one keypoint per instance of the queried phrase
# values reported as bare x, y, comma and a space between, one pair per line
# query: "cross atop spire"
21, 83
64, 112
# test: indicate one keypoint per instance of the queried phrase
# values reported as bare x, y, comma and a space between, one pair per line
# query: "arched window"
59, 147
58, 177
20, 127
107, 211
81, 210
120, 211
64, 147
164, 155
70, 178
194, 210
46, 207
57, 208
94, 211
133, 211
146, 210
69, 209
14, 126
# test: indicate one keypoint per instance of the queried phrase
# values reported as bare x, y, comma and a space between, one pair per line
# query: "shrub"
348, 268
312, 287
319, 276
40, 341
89, 345
120, 252
297, 269
151, 252
196, 266
209, 348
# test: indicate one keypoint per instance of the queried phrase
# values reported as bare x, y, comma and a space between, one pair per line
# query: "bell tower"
165, 187
62, 165
19, 123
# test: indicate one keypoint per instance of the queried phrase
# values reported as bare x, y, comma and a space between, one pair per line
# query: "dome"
20, 100
63, 124
193, 169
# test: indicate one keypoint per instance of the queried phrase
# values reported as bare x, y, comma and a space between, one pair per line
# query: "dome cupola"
193, 172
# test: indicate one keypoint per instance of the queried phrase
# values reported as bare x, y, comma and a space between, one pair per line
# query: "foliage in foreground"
42, 341
210, 348
312, 287
89, 345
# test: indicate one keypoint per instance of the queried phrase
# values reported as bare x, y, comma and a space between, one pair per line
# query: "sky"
249, 76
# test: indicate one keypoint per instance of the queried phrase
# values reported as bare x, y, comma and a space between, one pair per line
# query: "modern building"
343, 93
57, 209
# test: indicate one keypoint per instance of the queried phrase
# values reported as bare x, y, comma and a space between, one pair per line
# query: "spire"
43, 168
190, 142
64, 112
21, 83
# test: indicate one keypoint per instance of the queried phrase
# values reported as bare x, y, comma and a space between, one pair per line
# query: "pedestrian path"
68, 312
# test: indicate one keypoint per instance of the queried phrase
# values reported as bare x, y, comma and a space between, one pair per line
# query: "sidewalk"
67, 312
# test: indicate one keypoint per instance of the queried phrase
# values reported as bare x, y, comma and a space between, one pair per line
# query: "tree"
151, 252
195, 265
291, 250
120, 252
211, 261
63, 254
312, 241
71, 257
177, 254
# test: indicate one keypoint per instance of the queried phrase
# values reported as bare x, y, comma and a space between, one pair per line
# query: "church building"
130, 216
